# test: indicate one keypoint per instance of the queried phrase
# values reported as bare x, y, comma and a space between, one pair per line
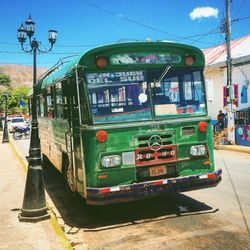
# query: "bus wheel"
68, 175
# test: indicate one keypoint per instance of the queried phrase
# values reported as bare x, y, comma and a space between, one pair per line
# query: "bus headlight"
202, 150
111, 161
198, 150
193, 151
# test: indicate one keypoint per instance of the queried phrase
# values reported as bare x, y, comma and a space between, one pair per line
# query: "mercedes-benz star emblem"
155, 142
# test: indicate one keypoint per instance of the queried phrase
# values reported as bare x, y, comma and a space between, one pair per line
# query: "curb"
240, 149
51, 207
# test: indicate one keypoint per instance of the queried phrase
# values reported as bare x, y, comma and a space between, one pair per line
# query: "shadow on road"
76, 213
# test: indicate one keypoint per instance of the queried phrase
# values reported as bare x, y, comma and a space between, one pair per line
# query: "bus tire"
68, 174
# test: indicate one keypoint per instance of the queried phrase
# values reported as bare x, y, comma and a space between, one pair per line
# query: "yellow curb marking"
53, 221
18, 157
58, 230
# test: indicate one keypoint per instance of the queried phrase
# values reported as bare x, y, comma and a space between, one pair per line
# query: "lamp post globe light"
34, 204
5, 130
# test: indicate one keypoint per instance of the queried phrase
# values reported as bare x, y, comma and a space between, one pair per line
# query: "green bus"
128, 121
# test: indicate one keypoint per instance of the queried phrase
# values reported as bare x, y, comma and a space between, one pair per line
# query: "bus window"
64, 99
187, 87
41, 104
59, 100
185, 92
49, 99
38, 107
124, 98
198, 90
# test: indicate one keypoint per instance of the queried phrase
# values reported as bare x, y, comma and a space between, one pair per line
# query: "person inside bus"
221, 120
160, 98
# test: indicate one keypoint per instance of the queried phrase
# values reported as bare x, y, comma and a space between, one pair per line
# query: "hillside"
20, 75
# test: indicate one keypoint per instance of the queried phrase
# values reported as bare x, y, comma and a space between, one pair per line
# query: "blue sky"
85, 24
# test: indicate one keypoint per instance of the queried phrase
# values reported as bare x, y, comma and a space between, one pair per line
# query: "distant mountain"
20, 75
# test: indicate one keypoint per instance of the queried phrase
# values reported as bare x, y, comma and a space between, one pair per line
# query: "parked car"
17, 122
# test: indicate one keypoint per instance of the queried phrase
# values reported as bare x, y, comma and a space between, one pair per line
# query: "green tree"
17, 94
4, 80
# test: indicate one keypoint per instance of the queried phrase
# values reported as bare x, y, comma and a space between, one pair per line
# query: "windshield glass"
16, 120
179, 92
135, 95
118, 96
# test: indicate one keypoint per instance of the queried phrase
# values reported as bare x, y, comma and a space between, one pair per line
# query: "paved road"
215, 218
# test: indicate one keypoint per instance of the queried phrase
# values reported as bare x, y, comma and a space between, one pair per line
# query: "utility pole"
230, 93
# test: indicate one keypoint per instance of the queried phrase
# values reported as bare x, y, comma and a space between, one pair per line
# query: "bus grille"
167, 139
146, 156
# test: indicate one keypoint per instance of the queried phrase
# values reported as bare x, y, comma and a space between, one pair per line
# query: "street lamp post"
1, 123
5, 130
34, 204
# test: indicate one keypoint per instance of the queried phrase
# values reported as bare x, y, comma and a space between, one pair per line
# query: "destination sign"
107, 78
145, 58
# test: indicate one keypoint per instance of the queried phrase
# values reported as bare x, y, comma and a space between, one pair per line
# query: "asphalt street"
214, 218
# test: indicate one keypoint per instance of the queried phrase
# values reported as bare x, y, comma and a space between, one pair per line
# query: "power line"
240, 19
23, 63
201, 35
242, 4
53, 53
212, 32
60, 46
142, 24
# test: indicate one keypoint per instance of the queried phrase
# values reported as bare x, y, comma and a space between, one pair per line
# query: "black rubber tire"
17, 135
68, 175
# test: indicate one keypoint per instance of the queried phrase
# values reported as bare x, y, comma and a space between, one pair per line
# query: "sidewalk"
44, 235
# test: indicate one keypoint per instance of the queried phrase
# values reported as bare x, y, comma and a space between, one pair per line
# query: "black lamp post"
5, 130
34, 204
1, 123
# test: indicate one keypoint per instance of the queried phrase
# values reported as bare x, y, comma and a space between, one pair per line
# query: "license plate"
155, 171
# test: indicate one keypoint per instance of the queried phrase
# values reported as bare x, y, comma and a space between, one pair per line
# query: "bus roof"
88, 60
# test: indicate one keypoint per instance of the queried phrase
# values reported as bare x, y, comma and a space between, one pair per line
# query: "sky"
86, 24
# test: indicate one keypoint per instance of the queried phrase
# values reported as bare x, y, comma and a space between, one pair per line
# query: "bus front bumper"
123, 193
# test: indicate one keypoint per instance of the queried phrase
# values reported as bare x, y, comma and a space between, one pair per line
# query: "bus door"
70, 166
72, 137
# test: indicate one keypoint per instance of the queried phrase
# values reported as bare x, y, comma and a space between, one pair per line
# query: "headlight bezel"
110, 161
198, 150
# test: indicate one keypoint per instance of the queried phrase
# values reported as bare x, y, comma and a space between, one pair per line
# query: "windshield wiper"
163, 74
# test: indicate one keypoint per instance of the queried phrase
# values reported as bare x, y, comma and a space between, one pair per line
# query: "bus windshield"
137, 96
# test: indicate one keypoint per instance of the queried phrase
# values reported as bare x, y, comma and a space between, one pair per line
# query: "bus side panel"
52, 136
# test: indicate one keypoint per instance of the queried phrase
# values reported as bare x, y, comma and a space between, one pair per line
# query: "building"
216, 80
216, 75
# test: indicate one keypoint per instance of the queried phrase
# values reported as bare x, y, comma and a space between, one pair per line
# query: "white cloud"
201, 12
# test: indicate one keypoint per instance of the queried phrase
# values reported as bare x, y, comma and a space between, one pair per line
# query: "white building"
216, 75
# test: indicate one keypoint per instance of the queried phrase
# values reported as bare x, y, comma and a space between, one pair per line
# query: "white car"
17, 122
